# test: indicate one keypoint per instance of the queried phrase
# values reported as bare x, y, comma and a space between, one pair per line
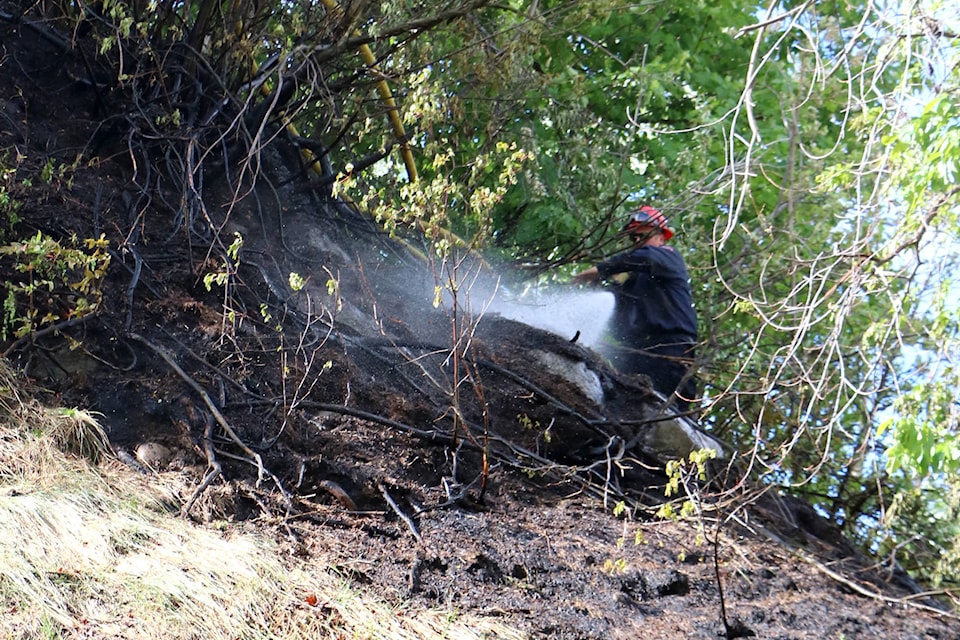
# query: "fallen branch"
583, 474
908, 601
160, 351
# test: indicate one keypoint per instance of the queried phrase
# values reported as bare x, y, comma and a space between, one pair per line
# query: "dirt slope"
485, 480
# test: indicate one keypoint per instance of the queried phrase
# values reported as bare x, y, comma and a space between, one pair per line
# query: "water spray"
563, 312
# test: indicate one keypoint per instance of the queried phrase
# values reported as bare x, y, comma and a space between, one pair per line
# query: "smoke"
561, 312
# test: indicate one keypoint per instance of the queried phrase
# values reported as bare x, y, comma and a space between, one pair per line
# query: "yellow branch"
366, 54
386, 96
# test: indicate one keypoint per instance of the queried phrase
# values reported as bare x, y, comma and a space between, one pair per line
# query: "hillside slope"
432, 456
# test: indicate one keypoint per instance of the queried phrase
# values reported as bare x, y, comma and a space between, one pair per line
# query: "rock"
154, 455
575, 372
677, 438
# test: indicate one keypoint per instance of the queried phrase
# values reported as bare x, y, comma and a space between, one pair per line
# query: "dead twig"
396, 509
737, 629
288, 498
212, 367
215, 470
53, 328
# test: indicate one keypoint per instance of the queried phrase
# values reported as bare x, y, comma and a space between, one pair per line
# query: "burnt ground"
348, 409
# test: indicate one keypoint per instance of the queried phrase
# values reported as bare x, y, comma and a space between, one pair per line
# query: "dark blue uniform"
654, 326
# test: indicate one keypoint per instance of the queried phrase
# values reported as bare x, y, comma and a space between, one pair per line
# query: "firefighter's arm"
593, 275
587, 275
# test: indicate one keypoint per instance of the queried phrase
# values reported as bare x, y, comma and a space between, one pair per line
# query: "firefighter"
653, 330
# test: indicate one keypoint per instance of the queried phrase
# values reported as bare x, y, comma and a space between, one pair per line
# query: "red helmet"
647, 216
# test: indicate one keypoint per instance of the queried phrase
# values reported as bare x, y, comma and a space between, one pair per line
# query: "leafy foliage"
55, 282
846, 329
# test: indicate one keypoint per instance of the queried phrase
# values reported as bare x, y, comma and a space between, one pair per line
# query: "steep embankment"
347, 432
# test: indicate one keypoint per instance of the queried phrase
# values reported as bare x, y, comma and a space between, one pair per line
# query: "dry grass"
89, 552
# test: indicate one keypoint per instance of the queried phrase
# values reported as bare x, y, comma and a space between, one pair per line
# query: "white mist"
561, 312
